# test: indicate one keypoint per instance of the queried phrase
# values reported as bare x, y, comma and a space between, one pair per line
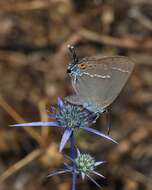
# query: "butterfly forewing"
102, 79
104, 65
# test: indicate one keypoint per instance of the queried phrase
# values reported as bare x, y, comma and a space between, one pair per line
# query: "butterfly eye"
82, 66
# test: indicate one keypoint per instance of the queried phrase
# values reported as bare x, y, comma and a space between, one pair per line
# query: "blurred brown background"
34, 35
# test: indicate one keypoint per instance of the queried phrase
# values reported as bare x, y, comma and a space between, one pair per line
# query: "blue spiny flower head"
86, 165
69, 117
74, 116
83, 165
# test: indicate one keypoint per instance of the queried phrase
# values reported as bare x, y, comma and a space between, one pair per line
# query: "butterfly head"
73, 68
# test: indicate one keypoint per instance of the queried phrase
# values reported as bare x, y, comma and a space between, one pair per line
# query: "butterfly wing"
74, 99
102, 79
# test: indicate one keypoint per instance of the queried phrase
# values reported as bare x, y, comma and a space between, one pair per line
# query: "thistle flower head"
85, 163
73, 116
70, 117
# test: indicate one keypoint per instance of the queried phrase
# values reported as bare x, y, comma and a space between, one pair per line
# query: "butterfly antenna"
73, 54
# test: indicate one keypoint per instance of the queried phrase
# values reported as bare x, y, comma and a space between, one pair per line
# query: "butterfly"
98, 80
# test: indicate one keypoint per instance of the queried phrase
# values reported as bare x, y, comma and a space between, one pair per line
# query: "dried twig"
20, 164
124, 42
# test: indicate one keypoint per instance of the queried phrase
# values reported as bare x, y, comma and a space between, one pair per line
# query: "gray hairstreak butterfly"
98, 80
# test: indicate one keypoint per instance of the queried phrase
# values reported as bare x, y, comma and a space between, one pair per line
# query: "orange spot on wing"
82, 66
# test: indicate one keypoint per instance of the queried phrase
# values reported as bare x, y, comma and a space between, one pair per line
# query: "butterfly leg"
108, 110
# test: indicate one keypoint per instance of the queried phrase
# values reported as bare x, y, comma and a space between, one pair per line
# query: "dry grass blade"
20, 164
44, 117
128, 143
140, 2
139, 17
19, 119
25, 6
136, 175
14, 58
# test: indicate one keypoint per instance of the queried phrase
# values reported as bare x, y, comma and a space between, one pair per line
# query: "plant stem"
73, 157
73, 181
72, 146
